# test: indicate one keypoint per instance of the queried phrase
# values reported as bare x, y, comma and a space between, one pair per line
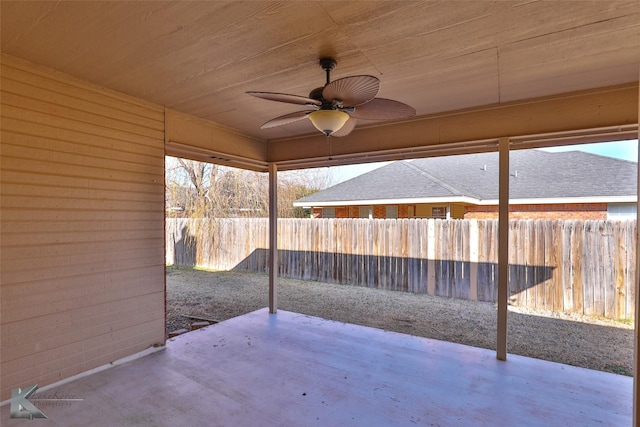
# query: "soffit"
199, 58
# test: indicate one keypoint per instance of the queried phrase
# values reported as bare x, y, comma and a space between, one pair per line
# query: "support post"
503, 248
273, 238
636, 344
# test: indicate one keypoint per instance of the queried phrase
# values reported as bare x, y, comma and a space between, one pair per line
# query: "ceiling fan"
334, 108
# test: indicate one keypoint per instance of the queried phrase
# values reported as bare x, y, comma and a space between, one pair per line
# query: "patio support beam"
273, 238
503, 248
205, 141
636, 360
614, 106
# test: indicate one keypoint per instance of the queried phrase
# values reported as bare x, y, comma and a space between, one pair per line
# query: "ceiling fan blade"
286, 119
285, 97
346, 128
383, 109
352, 91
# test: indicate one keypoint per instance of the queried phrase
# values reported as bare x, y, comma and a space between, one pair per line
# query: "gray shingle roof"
535, 174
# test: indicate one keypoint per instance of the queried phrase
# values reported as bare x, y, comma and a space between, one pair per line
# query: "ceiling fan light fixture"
328, 121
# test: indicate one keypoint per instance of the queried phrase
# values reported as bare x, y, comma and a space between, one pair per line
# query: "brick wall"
380, 211
342, 212
583, 211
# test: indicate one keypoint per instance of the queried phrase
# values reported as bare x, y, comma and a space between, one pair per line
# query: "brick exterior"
342, 212
583, 211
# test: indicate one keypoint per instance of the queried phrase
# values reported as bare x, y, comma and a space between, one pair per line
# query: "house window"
365, 212
622, 211
391, 212
328, 212
439, 212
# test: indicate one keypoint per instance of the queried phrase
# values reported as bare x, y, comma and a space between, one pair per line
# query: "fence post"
431, 256
473, 260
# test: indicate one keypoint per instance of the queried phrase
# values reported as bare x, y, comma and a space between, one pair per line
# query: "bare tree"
204, 190
293, 185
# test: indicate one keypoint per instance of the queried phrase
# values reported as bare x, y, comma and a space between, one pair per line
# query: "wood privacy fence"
561, 265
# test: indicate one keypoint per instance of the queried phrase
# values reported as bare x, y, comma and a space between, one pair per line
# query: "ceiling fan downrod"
328, 64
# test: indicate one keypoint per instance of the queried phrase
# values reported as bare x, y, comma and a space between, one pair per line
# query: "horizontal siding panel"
13, 153
134, 339
32, 117
65, 237
72, 293
41, 178
45, 100
53, 275
80, 171
28, 107
48, 268
134, 144
14, 70
60, 265
63, 362
101, 319
44, 326
11, 215
27, 251
80, 193
86, 204
105, 149
82, 245
89, 285
28, 227
89, 260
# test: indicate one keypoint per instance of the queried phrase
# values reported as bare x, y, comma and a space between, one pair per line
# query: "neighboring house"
569, 185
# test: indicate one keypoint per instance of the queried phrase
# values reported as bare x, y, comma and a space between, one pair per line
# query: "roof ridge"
546, 176
439, 181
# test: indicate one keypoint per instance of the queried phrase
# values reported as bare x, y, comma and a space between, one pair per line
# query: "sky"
626, 150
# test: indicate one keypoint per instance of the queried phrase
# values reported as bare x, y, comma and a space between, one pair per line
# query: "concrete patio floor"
290, 369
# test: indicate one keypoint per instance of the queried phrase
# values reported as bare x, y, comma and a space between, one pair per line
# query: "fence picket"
609, 256
581, 266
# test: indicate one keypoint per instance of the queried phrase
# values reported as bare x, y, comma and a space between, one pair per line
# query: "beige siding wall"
82, 238
424, 210
457, 211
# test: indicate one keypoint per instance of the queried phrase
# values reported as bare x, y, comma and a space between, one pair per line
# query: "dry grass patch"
569, 339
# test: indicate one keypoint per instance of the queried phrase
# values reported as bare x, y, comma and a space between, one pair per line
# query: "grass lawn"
569, 339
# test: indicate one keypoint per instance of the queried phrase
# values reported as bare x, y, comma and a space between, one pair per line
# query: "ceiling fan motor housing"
316, 94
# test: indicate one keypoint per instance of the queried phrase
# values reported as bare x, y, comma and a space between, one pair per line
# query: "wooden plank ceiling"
199, 58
